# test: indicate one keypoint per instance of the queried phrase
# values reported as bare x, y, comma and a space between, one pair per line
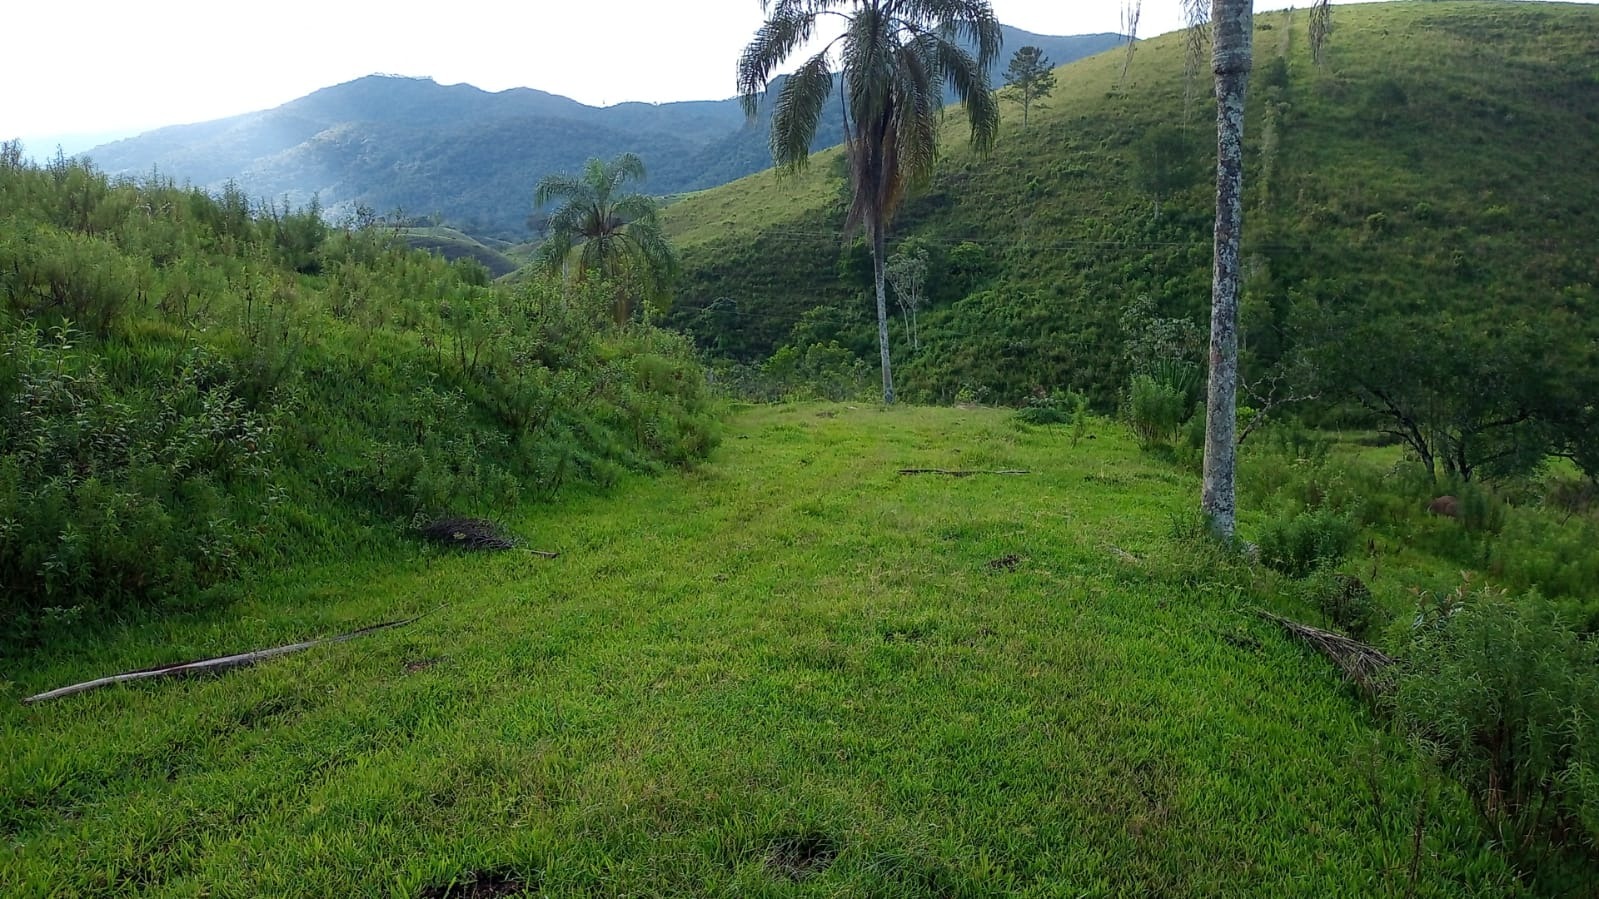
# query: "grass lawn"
789, 672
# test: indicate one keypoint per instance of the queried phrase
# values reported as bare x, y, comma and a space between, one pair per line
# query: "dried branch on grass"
468, 533
209, 666
1365, 665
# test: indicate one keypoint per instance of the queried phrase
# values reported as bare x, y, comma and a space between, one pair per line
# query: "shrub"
1345, 600
1155, 410
1506, 696
1052, 407
1298, 543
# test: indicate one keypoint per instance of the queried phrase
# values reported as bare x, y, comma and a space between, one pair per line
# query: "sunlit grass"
790, 671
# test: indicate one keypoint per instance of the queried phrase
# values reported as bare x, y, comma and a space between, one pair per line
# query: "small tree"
1029, 78
606, 231
907, 272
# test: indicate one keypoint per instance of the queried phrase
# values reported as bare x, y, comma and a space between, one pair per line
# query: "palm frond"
969, 79
557, 187
972, 21
636, 209
799, 111
553, 252
624, 168
788, 28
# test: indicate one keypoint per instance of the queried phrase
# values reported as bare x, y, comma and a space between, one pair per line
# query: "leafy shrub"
1052, 407
1345, 600
109, 498
189, 387
1297, 543
1556, 556
1506, 697
1155, 410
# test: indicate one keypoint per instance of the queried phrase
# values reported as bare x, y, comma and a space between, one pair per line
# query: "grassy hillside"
194, 388
1438, 163
790, 672
452, 245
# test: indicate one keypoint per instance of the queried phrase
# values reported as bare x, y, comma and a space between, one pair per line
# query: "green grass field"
790, 671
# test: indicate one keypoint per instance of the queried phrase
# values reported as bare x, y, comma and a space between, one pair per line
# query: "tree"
1029, 78
907, 271
895, 57
1473, 396
611, 233
1231, 25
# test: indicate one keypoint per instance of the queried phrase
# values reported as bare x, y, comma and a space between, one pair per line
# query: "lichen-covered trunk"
1232, 20
879, 272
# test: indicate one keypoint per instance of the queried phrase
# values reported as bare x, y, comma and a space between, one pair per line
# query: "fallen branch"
1124, 555
1365, 665
468, 534
961, 473
205, 666
542, 554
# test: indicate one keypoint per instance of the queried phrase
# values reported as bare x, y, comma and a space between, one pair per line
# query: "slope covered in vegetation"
1431, 178
192, 387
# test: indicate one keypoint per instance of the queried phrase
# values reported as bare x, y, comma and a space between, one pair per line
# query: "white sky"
94, 67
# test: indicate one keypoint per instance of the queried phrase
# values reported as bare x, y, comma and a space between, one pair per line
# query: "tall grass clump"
1505, 695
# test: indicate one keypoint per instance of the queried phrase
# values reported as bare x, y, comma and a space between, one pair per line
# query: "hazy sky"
94, 67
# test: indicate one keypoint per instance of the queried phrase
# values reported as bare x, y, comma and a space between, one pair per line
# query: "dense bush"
1155, 410
1345, 600
1506, 696
1297, 543
112, 496
1053, 407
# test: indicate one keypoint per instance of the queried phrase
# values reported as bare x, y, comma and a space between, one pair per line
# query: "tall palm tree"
895, 57
1231, 24
614, 234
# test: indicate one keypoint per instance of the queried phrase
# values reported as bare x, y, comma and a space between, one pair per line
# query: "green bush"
1155, 410
110, 497
1345, 600
1506, 696
1557, 556
1297, 543
1056, 407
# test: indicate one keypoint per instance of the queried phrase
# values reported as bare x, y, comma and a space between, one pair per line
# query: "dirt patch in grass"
415, 665
478, 885
801, 856
1008, 562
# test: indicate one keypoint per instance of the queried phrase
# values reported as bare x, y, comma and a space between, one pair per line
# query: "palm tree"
895, 56
1232, 56
614, 234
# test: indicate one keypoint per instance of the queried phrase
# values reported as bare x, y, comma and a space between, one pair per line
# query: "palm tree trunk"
1232, 59
879, 245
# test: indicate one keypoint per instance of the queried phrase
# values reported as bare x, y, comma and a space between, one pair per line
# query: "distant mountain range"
466, 157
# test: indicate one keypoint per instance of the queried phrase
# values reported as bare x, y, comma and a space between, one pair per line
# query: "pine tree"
1029, 78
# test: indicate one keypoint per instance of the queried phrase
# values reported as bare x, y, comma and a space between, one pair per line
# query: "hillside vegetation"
194, 387
1432, 178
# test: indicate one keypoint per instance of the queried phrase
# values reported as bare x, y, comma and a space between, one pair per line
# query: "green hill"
1437, 167
453, 245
